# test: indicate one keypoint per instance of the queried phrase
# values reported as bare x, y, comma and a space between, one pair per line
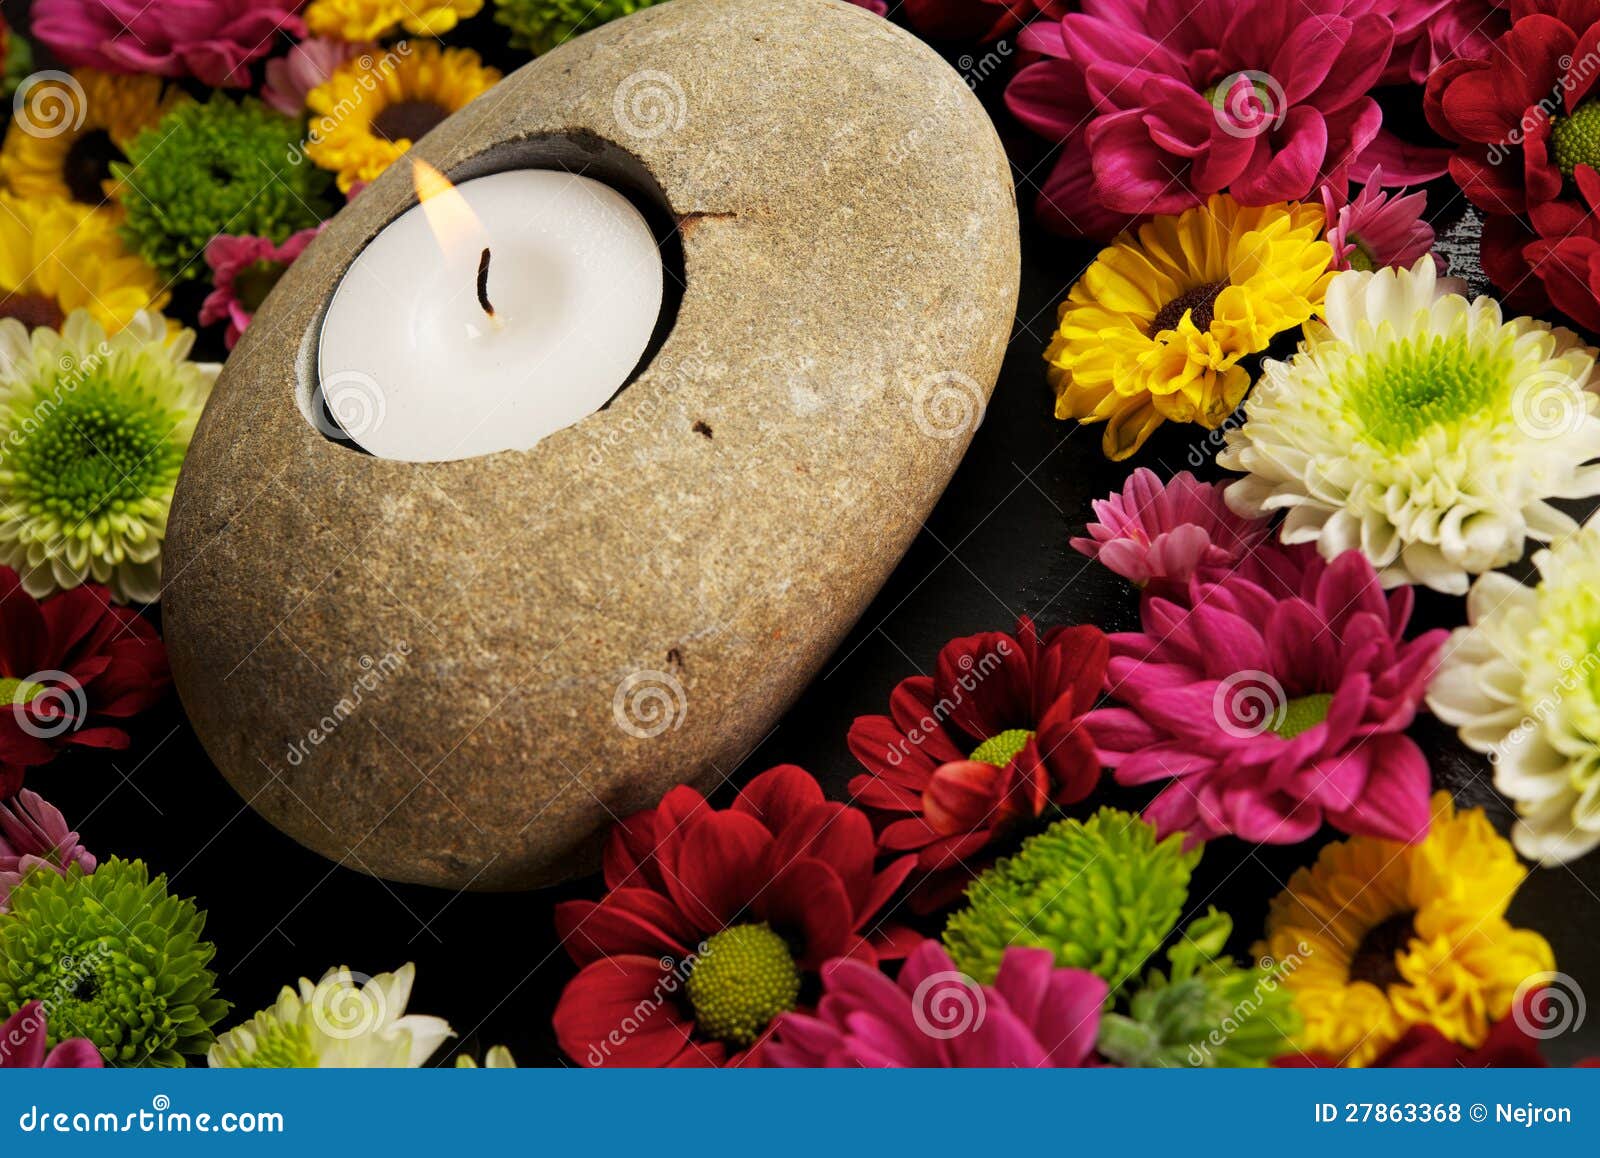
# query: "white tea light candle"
489, 316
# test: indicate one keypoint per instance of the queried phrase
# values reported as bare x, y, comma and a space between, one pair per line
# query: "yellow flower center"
1000, 750
1301, 713
87, 166
1575, 140
745, 977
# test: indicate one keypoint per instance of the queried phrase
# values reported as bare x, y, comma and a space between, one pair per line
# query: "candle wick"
483, 284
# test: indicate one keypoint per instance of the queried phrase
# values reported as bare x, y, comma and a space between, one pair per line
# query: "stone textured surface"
415, 670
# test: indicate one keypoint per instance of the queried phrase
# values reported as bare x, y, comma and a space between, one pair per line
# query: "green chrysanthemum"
93, 429
217, 167
540, 25
1102, 894
1206, 1012
114, 957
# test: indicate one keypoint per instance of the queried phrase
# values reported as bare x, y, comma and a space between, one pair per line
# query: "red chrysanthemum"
1528, 135
716, 920
986, 742
68, 666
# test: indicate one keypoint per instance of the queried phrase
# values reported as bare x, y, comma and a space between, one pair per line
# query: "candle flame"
455, 227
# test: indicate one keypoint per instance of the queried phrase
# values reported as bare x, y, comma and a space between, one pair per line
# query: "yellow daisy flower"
72, 160
1389, 935
57, 256
373, 19
365, 118
1155, 328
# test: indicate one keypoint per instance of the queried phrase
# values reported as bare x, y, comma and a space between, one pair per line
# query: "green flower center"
278, 1046
1414, 386
254, 282
745, 977
1361, 257
1376, 958
1202, 300
94, 454
14, 691
1002, 749
1303, 712
1575, 140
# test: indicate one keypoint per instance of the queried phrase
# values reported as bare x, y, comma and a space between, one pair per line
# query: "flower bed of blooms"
1261, 181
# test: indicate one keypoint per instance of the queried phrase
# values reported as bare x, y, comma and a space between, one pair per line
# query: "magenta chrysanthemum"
213, 41
24, 1044
1272, 714
1377, 229
1150, 530
1161, 103
243, 272
1034, 1015
34, 834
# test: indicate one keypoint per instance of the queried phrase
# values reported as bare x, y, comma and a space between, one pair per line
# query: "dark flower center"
1575, 140
744, 977
33, 310
88, 166
254, 282
1001, 749
1376, 959
408, 120
1202, 300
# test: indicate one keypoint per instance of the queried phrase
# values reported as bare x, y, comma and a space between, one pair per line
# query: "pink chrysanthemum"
213, 41
1033, 1016
1377, 229
1161, 103
1152, 530
305, 66
24, 1044
244, 270
34, 834
1271, 714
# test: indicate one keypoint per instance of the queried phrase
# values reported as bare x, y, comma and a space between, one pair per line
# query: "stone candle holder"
462, 673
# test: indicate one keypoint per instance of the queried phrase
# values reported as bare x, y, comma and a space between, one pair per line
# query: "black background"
995, 547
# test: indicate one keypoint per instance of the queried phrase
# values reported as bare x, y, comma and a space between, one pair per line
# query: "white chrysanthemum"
336, 1024
1424, 430
93, 430
1521, 682
498, 1058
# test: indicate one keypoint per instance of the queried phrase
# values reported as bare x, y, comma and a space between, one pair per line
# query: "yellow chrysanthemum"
64, 139
373, 19
1388, 936
1155, 328
57, 256
365, 118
